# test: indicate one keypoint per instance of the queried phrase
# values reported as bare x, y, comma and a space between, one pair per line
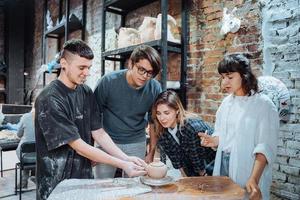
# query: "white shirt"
256, 130
173, 133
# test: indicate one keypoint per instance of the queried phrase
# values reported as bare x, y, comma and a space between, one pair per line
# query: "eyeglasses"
142, 71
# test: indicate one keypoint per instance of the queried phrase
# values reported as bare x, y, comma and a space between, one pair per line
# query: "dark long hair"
239, 63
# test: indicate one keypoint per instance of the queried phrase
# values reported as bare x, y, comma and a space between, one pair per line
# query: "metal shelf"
172, 47
62, 30
58, 31
125, 6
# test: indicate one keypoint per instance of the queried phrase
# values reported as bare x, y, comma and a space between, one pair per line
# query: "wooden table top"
189, 188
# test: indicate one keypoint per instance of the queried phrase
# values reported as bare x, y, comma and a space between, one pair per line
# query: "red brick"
210, 37
215, 53
212, 60
212, 9
253, 48
235, 49
216, 15
193, 61
195, 54
214, 96
208, 118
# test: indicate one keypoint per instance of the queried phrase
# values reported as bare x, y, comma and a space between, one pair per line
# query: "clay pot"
157, 169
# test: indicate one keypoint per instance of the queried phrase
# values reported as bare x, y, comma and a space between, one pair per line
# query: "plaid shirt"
188, 154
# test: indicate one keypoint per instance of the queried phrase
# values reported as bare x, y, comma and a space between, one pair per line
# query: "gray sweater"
26, 130
125, 109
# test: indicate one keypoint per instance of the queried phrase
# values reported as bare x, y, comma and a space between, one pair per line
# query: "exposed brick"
281, 75
294, 179
289, 170
288, 152
282, 160
212, 9
284, 185
294, 162
279, 176
293, 144
283, 194
275, 167
290, 127
286, 135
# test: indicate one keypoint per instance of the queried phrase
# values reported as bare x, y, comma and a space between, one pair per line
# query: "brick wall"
281, 33
207, 47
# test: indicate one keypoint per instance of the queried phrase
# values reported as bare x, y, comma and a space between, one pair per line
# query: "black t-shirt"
63, 115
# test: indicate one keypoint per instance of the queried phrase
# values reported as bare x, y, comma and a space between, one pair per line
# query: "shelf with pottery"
125, 51
59, 30
66, 22
126, 7
3, 83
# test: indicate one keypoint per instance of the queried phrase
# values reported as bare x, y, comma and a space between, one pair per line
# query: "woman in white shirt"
246, 130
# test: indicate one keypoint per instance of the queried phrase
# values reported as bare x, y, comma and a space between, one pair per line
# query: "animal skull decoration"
230, 23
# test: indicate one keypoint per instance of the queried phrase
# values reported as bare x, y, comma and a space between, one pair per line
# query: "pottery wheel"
156, 182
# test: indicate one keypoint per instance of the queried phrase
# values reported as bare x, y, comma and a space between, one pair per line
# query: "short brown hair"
76, 47
148, 53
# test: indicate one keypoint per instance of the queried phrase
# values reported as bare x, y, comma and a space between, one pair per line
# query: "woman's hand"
208, 141
253, 189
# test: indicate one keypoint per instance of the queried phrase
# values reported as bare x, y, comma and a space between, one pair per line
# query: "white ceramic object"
128, 37
157, 169
147, 29
171, 25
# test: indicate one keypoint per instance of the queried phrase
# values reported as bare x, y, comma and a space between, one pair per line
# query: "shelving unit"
3, 74
63, 29
122, 8
3, 80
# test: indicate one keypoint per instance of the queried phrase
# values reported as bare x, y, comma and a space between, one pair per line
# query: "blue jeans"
224, 171
107, 171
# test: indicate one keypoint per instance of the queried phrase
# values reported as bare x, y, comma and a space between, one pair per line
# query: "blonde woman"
177, 132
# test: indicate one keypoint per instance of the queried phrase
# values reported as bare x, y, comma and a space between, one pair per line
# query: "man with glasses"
125, 98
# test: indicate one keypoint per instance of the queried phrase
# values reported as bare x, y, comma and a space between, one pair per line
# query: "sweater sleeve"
100, 94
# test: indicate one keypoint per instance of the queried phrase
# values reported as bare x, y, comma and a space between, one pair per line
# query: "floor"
7, 182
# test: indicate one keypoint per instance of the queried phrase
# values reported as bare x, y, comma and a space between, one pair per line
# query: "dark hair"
239, 63
76, 47
148, 53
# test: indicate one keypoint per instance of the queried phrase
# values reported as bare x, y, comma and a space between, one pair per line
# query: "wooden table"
190, 188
